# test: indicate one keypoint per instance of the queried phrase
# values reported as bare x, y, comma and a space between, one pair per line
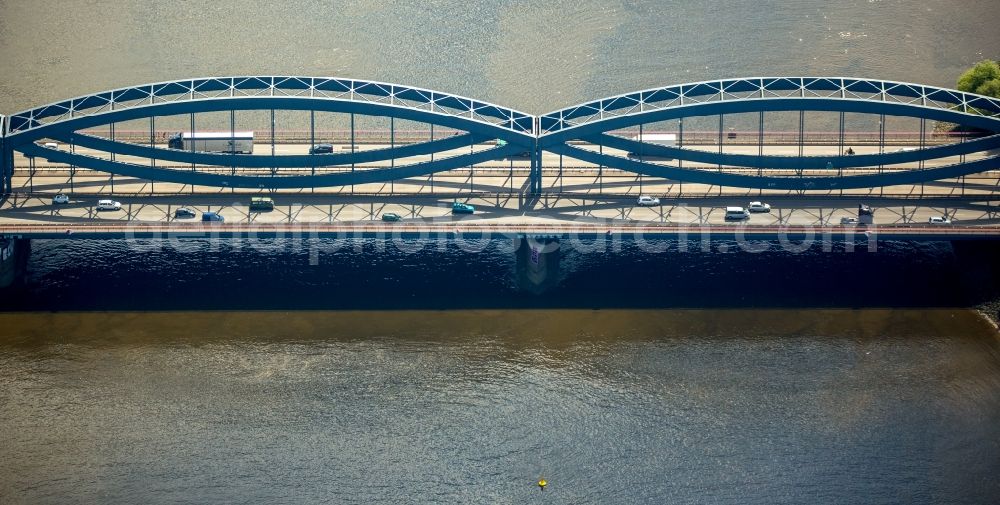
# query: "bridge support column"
14, 254
535, 174
6, 159
6, 167
537, 264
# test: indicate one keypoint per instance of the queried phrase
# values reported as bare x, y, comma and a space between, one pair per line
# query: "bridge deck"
479, 230
346, 215
577, 198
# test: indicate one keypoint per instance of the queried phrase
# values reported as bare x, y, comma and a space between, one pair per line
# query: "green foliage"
982, 79
990, 88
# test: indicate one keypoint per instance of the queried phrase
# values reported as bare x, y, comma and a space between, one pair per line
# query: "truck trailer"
659, 139
213, 142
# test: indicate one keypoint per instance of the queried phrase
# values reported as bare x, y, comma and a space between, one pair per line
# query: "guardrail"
691, 137
457, 228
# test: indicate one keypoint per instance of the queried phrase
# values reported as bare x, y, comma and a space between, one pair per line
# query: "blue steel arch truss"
63, 121
558, 132
590, 123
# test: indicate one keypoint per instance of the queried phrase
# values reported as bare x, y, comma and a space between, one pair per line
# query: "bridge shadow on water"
369, 274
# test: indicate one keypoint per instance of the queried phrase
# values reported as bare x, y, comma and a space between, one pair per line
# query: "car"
60, 198
391, 217
108, 205
212, 217
866, 214
462, 208
759, 207
184, 213
51, 145
647, 201
523, 155
261, 204
848, 220
321, 149
736, 214
939, 220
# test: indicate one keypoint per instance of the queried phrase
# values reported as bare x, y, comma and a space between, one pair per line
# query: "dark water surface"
434, 274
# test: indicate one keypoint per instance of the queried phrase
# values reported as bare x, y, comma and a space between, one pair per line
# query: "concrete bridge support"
535, 173
14, 254
537, 264
6, 159
6, 169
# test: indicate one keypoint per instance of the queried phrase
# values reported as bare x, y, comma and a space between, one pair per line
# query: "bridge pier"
537, 264
6, 159
535, 172
14, 254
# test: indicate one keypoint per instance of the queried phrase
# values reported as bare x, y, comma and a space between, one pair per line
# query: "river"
366, 372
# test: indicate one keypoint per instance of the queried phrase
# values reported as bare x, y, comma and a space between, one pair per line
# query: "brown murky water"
611, 406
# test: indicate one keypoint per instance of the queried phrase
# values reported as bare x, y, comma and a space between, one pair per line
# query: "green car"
462, 208
391, 217
261, 204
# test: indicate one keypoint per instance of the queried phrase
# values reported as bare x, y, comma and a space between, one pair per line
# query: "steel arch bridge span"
591, 122
63, 121
369, 96
555, 125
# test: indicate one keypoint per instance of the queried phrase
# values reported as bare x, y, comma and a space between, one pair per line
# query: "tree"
983, 79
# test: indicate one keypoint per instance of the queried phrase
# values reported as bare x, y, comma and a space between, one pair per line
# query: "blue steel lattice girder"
794, 162
265, 161
331, 88
270, 182
769, 182
65, 127
587, 129
768, 87
523, 132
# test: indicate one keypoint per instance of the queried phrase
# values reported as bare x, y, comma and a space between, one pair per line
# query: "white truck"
659, 139
213, 142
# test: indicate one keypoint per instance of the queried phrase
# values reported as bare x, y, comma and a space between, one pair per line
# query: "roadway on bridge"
565, 176
498, 208
574, 193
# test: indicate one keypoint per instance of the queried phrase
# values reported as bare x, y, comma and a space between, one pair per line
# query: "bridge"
814, 148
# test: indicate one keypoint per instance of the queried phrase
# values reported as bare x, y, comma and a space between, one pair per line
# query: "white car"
848, 220
939, 220
108, 205
759, 207
736, 214
647, 201
60, 198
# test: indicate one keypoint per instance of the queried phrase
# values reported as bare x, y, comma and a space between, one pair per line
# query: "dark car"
391, 217
212, 217
183, 213
261, 204
321, 149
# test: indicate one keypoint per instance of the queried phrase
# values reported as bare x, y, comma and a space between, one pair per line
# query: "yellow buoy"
542, 483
